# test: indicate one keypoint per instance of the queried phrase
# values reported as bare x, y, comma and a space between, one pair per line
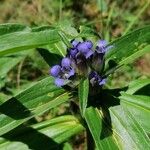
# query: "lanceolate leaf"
24, 40
124, 125
94, 121
12, 27
129, 132
39, 98
130, 46
136, 85
45, 135
130, 122
139, 107
83, 94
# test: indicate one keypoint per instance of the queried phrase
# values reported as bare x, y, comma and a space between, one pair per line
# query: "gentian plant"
81, 67
82, 60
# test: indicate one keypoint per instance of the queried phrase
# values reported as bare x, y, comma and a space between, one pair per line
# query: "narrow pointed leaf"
48, 134
136, 85
33, 101
131, 46
83, 94
94, 122
27, 39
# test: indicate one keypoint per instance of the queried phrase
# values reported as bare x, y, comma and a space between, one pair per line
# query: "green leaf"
27, 39
3, 97
12, 27
123, 124
48, 134
94, 121
127, 130
139, 106
33, 101
83, 94
136, 85
67, 146
135, 55
65, 39
88, 32
67, 28
130, 46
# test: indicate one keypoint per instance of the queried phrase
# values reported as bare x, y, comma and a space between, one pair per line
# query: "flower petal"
89, 44
102, 43
84, 47
74, 43
59, 82
89, 53
73, 52
102, 82
108, 48
66, 62
71, 72
55, 70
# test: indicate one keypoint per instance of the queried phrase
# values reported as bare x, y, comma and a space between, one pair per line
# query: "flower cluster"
82, 59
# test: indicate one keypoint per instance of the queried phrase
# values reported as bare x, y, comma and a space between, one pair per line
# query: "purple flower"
66, 62
82, 60
102, 46
74, 43
62, 73
102, 82
73, 52
55, 70
59, 82
85, 48
96, 79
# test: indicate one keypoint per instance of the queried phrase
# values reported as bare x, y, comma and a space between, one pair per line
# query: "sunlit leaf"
83, 94
48, 134
33, 101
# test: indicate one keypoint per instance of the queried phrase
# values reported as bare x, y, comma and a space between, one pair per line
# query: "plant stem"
19, 72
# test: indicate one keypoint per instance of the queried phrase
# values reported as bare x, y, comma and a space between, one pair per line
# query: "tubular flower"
82, 59
62, 72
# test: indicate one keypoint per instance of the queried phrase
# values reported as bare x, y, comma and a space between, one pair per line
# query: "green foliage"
116, 118
83, 94
29, 103
49, 133
129, 47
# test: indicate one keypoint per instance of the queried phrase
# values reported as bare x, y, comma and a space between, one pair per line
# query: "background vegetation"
109, 18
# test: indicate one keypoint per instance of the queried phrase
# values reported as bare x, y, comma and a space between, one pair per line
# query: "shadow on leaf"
50, 58
14, 109
34, 139
104, 100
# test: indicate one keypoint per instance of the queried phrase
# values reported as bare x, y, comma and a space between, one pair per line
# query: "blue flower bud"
89, 53
89, 44
102, 43
59, 82
73, 52
55, 70
102, 81
66, 62
101, 46
84, 47
74, 43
